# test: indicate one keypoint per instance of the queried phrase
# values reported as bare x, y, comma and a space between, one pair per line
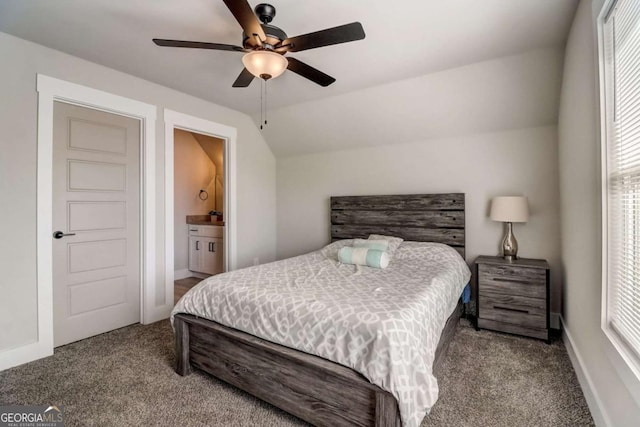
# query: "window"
621, 178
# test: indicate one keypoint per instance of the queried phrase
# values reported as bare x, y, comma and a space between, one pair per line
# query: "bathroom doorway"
198, 200
199, 193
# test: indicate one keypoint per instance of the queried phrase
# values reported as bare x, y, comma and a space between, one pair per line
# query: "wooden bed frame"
314, 389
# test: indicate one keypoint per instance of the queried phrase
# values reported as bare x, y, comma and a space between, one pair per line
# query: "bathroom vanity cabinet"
206, 249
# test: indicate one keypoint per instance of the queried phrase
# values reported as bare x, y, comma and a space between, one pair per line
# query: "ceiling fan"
265, 45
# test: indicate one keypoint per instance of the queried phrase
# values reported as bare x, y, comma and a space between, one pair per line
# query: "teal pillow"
363, 256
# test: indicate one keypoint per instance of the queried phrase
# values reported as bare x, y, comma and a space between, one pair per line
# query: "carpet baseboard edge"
598, 412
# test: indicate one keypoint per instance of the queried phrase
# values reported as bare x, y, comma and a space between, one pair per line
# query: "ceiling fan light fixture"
265, 64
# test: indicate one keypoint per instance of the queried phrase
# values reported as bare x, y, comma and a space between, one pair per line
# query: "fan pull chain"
261, 103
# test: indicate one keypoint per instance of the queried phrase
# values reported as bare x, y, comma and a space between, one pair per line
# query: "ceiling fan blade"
244, 79
342, 34
246, 18
197, 45
309, 72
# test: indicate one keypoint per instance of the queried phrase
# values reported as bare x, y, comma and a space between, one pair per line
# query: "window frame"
624, 350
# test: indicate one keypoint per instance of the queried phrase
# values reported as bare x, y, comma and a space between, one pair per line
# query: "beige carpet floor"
125, 378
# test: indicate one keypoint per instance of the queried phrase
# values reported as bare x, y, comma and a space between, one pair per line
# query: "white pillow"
379, 245
393, 242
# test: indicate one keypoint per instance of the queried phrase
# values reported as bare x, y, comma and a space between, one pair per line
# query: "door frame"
51, 90
177, 120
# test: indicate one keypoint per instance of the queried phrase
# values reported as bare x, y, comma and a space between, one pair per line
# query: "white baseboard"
157, 313
596, 407
24, 354
181, 274
554, 320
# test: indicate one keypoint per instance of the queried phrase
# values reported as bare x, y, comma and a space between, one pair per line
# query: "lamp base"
509, 244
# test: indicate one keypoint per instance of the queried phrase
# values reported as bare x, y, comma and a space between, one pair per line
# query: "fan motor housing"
274, 36
265, 12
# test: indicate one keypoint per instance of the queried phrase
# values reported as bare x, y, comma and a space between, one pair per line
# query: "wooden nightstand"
513, 296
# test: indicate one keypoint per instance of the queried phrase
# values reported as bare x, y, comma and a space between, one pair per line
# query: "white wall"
193, 171
513, 92
482, 166
486, 129
21, 60
612, 391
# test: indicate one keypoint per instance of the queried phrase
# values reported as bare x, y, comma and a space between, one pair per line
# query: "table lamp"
509, 209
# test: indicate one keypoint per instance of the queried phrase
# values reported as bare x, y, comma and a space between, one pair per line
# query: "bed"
317, 389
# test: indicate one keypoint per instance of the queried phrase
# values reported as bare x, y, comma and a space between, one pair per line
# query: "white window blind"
622, 173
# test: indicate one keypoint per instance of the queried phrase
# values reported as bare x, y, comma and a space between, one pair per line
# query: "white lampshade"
509, 209
264, 63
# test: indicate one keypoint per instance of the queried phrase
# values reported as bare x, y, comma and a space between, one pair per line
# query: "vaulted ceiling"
404, 40
427, 69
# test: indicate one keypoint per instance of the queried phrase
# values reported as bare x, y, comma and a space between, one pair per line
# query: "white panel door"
96, 202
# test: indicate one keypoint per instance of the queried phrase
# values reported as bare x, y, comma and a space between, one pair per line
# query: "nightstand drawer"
513, 296
519, 310
512, 280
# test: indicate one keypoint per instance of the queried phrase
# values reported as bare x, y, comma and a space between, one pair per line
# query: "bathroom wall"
193, 171
214, 148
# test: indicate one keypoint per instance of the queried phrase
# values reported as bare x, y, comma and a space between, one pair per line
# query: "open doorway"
198, 195
200, 201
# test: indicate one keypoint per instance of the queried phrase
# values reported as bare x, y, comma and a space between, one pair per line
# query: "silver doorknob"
60, 234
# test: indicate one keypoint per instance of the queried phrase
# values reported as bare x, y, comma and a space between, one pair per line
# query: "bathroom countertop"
202, 220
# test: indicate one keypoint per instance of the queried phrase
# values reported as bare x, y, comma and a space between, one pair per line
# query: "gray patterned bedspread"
384, 324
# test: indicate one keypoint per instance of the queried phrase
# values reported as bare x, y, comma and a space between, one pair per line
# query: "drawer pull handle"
497, 307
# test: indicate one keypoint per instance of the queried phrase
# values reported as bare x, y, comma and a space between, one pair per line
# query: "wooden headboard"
416, 217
